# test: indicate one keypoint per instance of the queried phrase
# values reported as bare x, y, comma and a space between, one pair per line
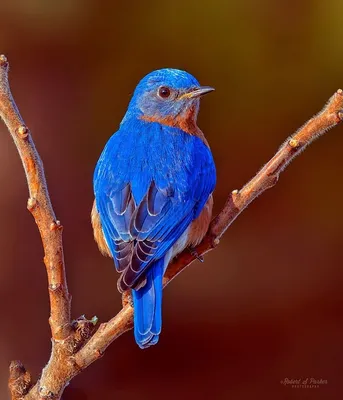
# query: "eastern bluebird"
153, 189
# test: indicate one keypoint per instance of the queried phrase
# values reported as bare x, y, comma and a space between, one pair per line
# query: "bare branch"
74, 344
40, 206
330, 116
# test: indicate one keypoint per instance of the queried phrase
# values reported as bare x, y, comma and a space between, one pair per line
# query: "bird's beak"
197, 92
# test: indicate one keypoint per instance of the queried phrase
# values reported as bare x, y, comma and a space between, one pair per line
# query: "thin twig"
74, 344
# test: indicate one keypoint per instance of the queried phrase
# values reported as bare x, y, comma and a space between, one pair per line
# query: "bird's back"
150, 151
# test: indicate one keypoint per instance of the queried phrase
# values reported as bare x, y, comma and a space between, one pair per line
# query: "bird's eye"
164, 92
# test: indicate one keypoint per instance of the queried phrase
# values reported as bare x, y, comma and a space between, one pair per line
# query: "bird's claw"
196, 255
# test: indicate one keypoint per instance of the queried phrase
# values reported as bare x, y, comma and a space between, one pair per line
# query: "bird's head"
169, 96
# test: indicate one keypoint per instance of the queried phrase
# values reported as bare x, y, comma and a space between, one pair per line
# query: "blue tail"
147, 302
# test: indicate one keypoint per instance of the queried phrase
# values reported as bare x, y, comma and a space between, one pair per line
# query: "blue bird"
153, 189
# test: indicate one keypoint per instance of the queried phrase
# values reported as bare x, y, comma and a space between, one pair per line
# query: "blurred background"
266, 305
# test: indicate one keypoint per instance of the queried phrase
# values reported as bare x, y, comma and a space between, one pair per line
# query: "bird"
153, 186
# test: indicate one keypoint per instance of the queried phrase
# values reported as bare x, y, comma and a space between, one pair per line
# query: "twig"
74, 344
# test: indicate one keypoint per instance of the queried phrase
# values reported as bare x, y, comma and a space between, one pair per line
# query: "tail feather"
147, 303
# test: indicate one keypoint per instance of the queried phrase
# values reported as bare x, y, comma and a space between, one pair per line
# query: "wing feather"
146, 206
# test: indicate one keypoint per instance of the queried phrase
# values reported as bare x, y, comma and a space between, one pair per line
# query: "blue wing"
149, 184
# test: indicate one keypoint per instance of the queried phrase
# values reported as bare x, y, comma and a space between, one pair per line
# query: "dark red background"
267, 304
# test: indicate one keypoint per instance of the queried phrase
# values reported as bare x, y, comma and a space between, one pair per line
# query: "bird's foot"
195, 254
127, 298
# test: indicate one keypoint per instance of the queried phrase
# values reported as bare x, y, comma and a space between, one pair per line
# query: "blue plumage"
147, 303
151, 181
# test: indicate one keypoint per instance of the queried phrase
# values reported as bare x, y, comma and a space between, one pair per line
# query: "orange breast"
97, 230
199, 226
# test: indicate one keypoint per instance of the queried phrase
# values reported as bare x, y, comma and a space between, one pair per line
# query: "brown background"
266, 305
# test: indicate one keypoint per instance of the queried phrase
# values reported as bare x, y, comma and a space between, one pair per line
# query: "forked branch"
75, 345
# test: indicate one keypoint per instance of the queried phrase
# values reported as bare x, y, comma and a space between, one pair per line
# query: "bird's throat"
186, 121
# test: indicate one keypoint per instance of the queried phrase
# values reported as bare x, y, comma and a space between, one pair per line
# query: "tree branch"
75, 345
40, 206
